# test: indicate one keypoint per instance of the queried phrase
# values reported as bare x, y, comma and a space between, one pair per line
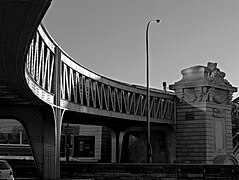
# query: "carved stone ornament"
222, 99
204, 94
215, 75
204, 84
189, 97
219, 113
207, 94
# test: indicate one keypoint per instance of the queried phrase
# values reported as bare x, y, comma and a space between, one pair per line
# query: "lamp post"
149, 146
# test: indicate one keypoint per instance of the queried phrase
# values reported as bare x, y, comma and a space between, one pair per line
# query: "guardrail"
80, 86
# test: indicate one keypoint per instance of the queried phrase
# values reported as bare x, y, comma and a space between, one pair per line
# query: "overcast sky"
108, 36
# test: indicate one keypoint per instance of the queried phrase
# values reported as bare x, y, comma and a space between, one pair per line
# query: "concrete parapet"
204, 129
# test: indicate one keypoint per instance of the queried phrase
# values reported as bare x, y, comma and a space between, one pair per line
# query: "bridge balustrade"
83, 87
40, 64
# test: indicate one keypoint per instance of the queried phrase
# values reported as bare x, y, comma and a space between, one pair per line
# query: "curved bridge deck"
50, 72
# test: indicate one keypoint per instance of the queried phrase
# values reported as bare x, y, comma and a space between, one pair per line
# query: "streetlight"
149, 146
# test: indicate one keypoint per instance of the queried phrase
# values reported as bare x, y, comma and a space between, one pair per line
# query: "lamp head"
158, 20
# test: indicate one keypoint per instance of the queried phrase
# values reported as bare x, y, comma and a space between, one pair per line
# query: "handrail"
79, 85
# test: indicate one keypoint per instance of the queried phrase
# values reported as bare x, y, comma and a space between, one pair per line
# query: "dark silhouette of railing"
76, 170
149, 171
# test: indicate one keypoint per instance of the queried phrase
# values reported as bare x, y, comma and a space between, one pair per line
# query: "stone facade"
204, 129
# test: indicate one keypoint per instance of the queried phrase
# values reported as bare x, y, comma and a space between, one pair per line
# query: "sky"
108, 37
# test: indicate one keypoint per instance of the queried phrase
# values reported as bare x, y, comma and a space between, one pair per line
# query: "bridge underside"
129, 135
38, 122
94, 119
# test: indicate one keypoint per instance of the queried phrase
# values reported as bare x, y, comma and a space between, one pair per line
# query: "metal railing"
80, 86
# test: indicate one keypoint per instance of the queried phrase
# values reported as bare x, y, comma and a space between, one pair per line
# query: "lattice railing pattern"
86, 88
80, 86
41, 59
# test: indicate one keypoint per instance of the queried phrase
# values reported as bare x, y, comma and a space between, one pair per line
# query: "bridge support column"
204, 129
116, 145
58, 113
44, 131
58, 116
40, 127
